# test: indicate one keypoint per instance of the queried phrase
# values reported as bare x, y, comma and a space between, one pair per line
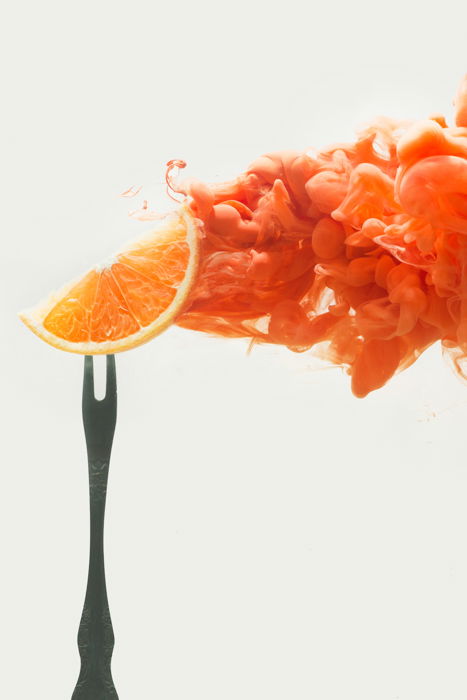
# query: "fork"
95, 635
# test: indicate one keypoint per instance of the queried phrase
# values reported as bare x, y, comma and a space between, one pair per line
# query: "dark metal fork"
95, 636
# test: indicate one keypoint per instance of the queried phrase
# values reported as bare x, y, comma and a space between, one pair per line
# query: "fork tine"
99, 415
111, 378
88, 380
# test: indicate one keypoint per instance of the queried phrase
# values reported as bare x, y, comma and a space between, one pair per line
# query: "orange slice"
129, 299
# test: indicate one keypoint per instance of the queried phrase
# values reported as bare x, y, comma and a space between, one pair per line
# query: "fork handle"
95, 635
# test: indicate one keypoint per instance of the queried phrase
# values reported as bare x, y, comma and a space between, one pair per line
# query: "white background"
268, 536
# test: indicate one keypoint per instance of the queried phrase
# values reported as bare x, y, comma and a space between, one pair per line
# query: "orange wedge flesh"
130, 300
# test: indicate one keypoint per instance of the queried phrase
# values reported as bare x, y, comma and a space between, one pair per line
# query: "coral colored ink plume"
359, 249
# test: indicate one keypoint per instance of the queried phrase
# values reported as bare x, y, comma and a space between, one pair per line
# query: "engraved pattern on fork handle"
95, 635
